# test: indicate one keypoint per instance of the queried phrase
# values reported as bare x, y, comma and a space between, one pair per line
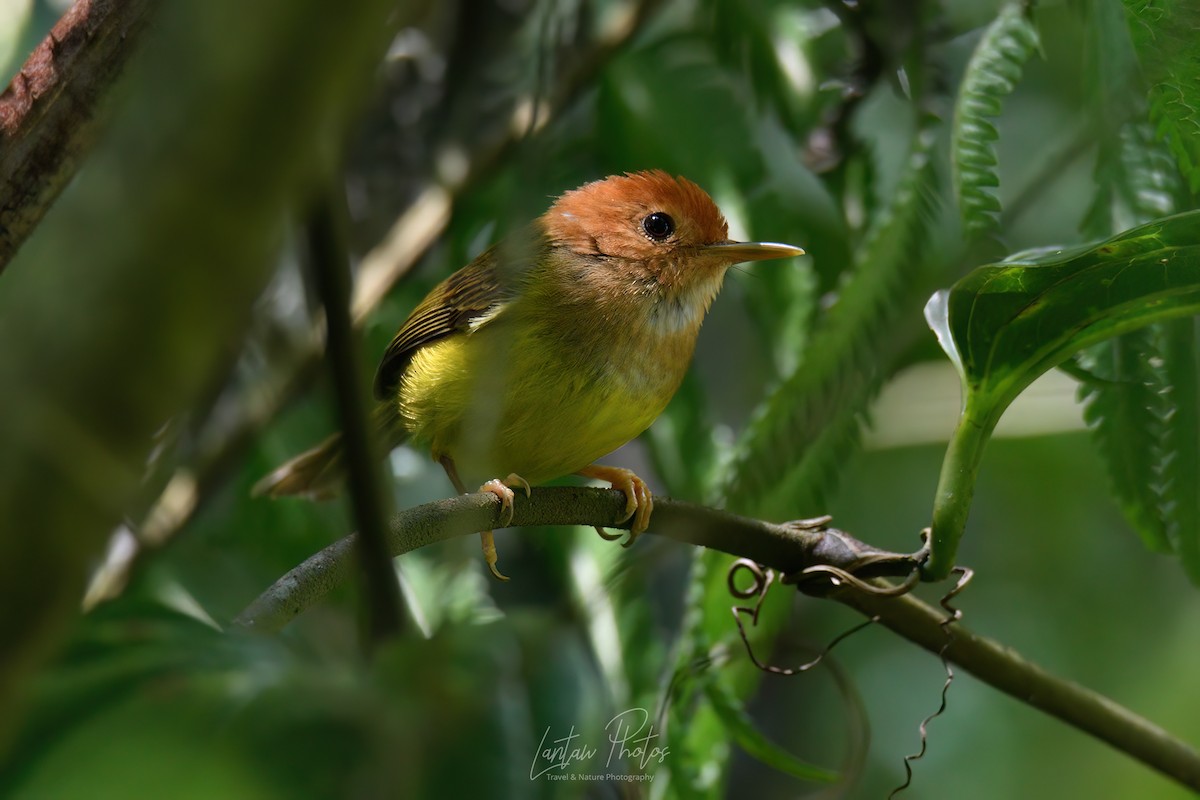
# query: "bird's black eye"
658, 226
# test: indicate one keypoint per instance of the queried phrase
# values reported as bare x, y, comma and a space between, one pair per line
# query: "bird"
553, 347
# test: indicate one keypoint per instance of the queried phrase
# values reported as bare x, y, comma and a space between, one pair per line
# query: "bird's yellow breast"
521, 394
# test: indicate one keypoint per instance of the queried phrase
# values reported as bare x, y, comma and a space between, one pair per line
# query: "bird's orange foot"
639, 501
504, 490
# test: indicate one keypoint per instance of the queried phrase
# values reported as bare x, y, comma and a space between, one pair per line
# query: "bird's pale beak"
737, 252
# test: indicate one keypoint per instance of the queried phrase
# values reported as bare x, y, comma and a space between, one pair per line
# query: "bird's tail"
318, 473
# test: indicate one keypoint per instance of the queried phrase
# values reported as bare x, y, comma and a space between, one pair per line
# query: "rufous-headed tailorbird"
554, 347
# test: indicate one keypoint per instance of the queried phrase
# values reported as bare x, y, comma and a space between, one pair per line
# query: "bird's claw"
504, 490
639, 500
514, 480
608, 537
489, 554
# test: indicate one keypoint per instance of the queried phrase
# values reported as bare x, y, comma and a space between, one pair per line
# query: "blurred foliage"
884, 138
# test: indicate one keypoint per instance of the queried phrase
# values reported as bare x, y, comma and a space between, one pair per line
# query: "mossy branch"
788, 548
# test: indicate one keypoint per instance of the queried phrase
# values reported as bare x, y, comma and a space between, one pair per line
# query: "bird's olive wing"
473, 292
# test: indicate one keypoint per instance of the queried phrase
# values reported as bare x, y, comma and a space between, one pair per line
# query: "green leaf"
1164, 37
1109, 67
754, 39
1151, 184
991, 75
633, 112
789, 456
681, 444
1181, 443
1125, 394
733, 714
1125, 408
1136, 182
1005, 324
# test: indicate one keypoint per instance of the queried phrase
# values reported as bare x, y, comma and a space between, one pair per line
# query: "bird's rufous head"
668, 226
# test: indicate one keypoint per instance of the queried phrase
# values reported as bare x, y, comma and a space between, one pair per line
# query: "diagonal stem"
330, 269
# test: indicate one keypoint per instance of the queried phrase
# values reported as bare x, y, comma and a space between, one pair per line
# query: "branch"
48, 112
788, 548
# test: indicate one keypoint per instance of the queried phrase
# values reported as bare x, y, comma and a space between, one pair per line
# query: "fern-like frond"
1165, 38
809, 423
1127, 405
1151, 186
1125, 411
991, 75
1180, 442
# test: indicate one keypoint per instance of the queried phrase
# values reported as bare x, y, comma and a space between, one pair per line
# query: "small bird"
554, 347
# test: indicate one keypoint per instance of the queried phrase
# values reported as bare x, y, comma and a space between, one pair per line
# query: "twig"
330, 269
782, 547
48, 112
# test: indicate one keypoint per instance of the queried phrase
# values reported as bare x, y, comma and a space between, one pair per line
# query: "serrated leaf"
1180, 443
1124, 409
1125, 394
1151, 183
1136, 181
812, 421
1005, 324
992, 74
786, 450
748, 737
1164, 37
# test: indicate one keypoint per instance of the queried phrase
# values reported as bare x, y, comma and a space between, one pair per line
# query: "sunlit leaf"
1005, 324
